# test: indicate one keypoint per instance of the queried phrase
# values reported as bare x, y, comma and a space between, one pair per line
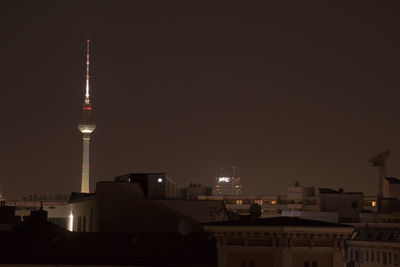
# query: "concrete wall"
321, 259
299, 193
157, 189
85, 216
313, 215
278, 257
348, 206
241, 258
391, 190
193, 191
202, 211
122, 207
363, 247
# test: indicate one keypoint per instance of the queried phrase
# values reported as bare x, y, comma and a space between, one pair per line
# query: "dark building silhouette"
38, 241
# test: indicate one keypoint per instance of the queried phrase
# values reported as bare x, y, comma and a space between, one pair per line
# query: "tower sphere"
86, 124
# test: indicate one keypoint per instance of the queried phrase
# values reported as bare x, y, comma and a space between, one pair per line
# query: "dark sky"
295, 90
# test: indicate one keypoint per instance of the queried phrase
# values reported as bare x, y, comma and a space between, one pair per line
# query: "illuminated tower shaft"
85, 164
86, 126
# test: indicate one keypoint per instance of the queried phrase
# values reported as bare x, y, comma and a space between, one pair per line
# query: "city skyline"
283, 92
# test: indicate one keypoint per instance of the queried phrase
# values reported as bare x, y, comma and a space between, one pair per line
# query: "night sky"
298, 90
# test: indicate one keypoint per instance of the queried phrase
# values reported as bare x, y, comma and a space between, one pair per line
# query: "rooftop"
333, 191
40, 242
393, 180
388, 233
279, 221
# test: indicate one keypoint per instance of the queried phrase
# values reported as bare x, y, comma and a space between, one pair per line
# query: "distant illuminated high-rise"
225, 185
86, 125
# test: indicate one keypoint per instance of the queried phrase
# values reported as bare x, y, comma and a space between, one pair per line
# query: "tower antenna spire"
87, 99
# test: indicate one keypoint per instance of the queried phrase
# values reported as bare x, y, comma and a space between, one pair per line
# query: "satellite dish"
255, 211
184, 227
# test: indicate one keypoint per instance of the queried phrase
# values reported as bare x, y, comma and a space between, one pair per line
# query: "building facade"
348, 205
194, 190
279, 242
327, 205
228, 185
140, 203
371, 245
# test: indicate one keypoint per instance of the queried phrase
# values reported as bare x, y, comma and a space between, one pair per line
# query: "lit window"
159, 180
273, 202
239, 202
373, 203
223, 179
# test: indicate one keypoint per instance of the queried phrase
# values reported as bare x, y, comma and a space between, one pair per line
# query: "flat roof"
279, 221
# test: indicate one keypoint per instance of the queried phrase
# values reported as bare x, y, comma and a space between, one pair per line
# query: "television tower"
86, 126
